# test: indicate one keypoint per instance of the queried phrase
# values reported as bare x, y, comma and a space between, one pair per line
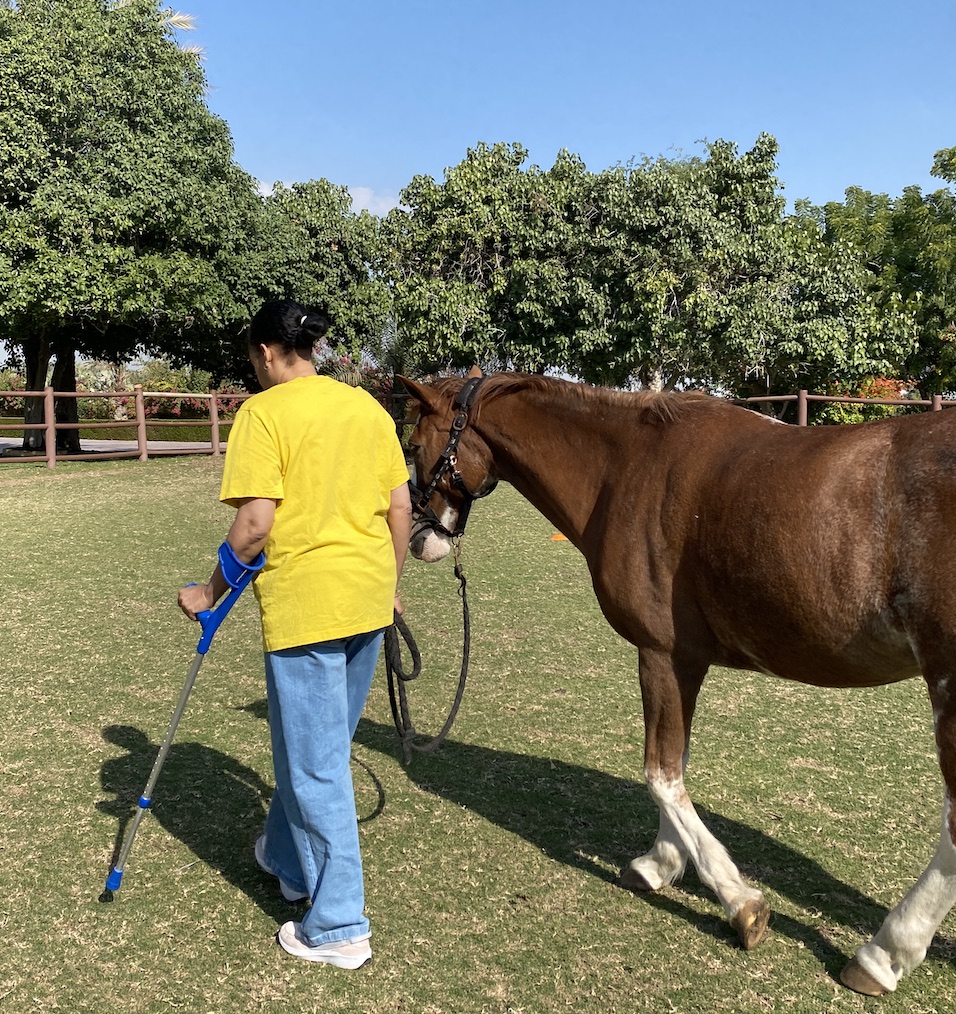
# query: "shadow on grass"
209, 801
597, 822
587, 819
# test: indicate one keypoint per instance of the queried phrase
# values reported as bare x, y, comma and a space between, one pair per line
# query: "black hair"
291, 325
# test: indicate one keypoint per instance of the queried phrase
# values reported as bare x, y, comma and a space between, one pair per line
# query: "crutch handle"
210, 619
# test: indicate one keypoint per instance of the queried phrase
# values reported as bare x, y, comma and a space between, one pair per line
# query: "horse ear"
475, 371
423, 394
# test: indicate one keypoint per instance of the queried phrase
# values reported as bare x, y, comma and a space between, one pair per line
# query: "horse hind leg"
670, 695
906, 933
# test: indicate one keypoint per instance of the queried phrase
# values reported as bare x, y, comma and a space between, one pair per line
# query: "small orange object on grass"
558, 537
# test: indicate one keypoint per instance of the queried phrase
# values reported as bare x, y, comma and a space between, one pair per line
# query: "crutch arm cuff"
237, 573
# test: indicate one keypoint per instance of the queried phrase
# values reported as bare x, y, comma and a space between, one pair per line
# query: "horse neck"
555, 451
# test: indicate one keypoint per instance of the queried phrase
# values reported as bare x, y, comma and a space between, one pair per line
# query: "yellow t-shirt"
329, 455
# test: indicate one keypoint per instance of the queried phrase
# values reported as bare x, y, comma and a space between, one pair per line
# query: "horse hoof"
751, 922
631, 880
854, 976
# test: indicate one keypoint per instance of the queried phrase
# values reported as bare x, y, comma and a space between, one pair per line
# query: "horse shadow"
208, 800
597, 822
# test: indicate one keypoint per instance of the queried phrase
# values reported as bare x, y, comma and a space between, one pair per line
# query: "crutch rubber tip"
114, 880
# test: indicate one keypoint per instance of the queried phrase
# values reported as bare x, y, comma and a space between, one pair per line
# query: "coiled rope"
398, 676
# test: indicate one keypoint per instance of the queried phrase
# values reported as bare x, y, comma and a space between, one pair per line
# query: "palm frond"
175, 19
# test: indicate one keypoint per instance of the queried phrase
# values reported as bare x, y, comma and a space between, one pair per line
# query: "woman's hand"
196, 598
399, 608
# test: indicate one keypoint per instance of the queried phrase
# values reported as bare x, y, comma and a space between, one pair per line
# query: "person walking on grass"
316, 473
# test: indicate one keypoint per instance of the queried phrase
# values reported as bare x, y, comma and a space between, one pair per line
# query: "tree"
672, 241
121, 209
671, 271
483, 266
319, 252
909, 247
808, 318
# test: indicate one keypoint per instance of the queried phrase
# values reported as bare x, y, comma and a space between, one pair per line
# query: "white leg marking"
665, 862
713, 864
906, 933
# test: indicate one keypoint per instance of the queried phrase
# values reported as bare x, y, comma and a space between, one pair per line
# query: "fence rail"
143, 451
803, 399
138, 396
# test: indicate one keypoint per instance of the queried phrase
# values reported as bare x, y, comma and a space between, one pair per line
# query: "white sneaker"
289, 893
351, 953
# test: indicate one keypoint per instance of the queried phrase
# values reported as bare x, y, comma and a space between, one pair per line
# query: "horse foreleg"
670, 695
662, 866
906, 933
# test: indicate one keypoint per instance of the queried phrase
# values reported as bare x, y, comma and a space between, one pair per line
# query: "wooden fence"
803, 399
144, 451
138, 396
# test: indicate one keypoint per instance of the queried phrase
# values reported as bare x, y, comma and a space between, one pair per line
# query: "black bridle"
448, 463
397, 674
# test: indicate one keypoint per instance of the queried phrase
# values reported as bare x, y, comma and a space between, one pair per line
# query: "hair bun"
312, 328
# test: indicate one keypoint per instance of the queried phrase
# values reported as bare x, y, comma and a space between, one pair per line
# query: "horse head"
452, 465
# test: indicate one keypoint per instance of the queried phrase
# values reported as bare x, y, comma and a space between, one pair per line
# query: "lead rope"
398, 676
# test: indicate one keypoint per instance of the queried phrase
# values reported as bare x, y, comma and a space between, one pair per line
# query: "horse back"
818, 554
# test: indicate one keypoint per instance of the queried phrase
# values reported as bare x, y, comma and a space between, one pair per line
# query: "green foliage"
485, 265
317, 251
127, 228
908, 245
11, 380
808, 318
675, 242
121, 210
877, 388
672, 271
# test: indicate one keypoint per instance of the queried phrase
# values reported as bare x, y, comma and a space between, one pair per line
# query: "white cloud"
366, 199
363, 198
265, 189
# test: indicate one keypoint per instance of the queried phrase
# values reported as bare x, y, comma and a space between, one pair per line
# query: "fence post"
214, 419
140, 422
802, 408
49, 422
937, 403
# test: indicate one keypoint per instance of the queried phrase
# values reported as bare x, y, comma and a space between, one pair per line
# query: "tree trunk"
67, 409
36, 360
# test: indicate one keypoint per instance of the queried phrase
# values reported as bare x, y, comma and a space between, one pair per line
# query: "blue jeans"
316, 695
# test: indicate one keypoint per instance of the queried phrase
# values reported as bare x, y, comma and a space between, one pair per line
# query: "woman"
318, 479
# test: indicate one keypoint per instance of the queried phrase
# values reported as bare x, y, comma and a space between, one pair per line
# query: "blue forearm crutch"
237, 575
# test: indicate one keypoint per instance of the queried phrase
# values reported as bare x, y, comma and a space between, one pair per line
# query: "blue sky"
369, 94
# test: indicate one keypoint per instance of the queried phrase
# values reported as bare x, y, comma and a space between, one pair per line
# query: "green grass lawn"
490, 866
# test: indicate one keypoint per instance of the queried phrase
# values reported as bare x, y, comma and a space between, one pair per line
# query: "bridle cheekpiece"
448, 463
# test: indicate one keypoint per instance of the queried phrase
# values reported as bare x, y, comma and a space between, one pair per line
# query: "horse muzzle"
428, 545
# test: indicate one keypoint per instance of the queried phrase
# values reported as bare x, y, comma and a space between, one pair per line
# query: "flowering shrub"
878, 388
186, 407
10, 380
363, 374
155, 376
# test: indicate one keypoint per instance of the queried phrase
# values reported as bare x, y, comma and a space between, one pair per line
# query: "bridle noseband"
448, 462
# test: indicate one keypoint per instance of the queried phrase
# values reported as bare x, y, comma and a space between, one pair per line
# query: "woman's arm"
247, 536
399, 520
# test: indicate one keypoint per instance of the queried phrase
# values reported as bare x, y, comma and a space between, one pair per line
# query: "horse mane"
651, 406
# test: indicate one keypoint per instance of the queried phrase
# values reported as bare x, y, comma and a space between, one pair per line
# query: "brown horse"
716, 536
